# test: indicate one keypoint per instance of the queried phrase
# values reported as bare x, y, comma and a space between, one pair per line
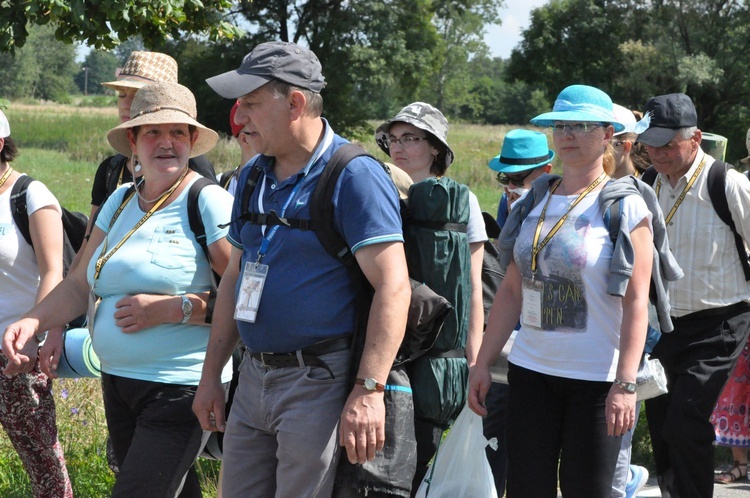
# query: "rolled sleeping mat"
78, 358
714, 145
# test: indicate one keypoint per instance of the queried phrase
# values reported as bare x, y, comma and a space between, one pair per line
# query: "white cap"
4, 126
624, 116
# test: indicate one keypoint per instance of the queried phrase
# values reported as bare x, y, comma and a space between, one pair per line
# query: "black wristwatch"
628, 386
187, 308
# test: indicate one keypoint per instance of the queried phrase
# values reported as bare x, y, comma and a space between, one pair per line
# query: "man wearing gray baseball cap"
710, 309
294, 304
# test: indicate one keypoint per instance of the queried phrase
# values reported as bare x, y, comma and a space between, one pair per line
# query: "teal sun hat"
522, 150
581, 103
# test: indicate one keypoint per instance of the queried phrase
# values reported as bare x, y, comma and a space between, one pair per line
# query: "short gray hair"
281, 90
687, 133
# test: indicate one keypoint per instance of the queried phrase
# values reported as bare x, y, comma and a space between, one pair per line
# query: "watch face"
370, 384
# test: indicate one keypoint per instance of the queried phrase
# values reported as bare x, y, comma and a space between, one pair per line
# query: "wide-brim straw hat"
143, 68
581, 103
163, 103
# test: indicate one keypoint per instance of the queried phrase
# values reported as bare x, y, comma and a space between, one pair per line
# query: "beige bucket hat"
143, 68
161, 103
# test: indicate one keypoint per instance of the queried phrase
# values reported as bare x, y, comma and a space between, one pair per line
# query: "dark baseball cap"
284, 61
668, 113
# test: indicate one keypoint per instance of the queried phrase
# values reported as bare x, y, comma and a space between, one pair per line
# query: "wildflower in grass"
64, 393
74, 411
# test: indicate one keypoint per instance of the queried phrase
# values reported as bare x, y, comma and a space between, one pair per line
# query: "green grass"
62, 147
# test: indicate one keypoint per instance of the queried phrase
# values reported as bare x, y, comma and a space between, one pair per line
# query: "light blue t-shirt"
161, 257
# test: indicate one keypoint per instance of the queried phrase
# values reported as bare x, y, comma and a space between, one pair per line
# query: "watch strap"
370, 384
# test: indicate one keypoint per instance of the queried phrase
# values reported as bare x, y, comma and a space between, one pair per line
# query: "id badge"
253, 279
531, 309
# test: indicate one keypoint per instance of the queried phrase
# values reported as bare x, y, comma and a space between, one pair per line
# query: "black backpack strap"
226, 178
716, 183
649, 176
18, 207
321, 203
199, 230
114, 170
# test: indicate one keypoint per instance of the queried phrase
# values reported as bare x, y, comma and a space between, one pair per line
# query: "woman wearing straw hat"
143, 244
27, 408
574, 361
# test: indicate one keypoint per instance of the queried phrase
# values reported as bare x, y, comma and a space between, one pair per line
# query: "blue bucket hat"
580, 103
522, 150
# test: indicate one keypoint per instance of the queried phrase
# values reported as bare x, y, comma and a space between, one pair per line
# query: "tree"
102, 24
460, 26
42, 69
98, 67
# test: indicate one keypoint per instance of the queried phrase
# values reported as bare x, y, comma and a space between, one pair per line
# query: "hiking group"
330, 315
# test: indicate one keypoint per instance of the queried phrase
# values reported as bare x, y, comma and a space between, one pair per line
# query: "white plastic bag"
460, 468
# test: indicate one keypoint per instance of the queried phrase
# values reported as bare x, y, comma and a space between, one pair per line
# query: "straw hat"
143, 68
162, 103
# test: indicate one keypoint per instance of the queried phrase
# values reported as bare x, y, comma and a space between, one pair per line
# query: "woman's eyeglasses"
405, 141
575, 129
514, 178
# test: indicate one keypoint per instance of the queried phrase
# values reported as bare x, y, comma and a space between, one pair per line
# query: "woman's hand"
620, 411
51, 352
480, 381
28, 356
141, 311
16, 339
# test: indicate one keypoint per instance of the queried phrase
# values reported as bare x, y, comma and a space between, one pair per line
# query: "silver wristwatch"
187, 308
628, 386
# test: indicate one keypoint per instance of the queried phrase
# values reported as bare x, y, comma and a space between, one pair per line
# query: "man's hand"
208, 406
362, 427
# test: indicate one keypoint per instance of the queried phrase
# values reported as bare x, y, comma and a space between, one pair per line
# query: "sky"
515, 17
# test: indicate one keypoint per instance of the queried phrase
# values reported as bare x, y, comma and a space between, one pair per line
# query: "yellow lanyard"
689, 185
102, 258
537, 247
5, 177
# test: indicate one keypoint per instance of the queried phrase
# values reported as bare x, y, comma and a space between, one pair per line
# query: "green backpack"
438, 255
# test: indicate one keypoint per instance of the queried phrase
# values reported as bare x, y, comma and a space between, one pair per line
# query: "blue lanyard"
269, 234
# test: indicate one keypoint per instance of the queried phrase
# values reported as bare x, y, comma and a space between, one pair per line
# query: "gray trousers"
282, 435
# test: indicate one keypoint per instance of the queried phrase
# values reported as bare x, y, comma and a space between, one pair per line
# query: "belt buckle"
263, 358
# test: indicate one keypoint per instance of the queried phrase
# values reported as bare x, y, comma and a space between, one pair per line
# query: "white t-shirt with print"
580, 333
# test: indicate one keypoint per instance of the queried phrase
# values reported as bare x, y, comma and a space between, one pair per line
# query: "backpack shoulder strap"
194, 213
199, 230
716, 183
649, 176
18, 207
114, 171
321, 203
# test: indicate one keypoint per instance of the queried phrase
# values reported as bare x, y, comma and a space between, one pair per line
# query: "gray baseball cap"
423, 116
284, 61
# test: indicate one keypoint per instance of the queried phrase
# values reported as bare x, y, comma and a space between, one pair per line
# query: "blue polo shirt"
308, 295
